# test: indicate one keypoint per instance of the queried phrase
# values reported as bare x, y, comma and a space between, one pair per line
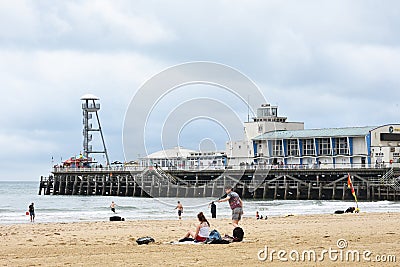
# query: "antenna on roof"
248, 108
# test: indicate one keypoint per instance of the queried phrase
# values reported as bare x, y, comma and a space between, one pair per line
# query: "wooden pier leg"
95, 185
309, 191
379, 193
66, 186
344, 192
195, 189
265, 191
286, 191
243, 190
134, 186
276, 190
152, 186
89, 187
103, 189
75, 186
126, 185
41, 185
298, 192
118, 185
368, 192
373, 193
320, 191
177, 190
214, 190
168, 189
387, 192
142, 189
333, 191
54, 184
186, 191
81, 186
205, 190
48, 187
60, 191
111, 186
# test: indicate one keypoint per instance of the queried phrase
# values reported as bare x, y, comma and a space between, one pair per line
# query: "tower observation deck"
90, 107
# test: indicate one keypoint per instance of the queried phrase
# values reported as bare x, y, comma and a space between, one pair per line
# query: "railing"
231, 167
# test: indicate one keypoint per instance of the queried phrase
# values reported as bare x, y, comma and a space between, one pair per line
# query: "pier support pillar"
265, 190
309, 191
126, 185
320, 191
298, 191
276, 190
286, 191
333, 191
344, 192
75, 186
103, 189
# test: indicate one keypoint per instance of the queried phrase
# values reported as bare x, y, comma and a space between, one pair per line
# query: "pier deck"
281, 183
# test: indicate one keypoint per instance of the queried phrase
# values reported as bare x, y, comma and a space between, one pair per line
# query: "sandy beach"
113, 243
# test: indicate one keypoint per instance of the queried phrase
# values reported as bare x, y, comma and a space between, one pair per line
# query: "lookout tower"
90, 107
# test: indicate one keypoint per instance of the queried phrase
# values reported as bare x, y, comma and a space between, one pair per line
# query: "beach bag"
145, 240
215, 238
116, 219
238, 234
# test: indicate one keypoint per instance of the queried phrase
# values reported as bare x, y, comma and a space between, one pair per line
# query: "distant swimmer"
32, 212
179, 207
112, 206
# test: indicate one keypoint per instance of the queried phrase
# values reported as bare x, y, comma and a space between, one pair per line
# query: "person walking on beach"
112, 206
213, 210
235, 203
32, 212
179, 207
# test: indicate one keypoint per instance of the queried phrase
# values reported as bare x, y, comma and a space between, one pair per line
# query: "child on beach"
112, 206
32, 212
179, 207
202, 230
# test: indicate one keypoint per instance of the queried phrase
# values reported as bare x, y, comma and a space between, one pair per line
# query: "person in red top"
235, 203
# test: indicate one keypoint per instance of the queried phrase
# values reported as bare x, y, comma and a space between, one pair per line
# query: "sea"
15, 197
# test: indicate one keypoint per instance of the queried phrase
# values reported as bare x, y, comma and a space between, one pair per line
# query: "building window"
324, 146
308, 147
277, 148
341, 146
292, 147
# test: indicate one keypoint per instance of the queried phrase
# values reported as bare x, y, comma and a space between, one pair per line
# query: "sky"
327, 63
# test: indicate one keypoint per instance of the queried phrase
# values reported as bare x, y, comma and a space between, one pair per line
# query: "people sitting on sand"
202, 230
257, 215
350, 210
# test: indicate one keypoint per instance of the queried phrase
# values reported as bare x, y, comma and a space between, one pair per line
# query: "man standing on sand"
236, 205
213, 209
180, 209
32, 212
112, 206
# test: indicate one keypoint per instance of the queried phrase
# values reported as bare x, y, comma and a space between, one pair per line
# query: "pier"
288, 184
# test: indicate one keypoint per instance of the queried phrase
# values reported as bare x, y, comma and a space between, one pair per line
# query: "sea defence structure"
278, 183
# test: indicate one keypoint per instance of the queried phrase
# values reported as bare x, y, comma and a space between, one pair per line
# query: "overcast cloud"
327, 63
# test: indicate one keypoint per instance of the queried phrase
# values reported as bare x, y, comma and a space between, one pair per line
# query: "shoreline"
107, 243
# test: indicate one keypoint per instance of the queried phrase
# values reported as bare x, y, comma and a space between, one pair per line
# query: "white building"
243, 151
182, 158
